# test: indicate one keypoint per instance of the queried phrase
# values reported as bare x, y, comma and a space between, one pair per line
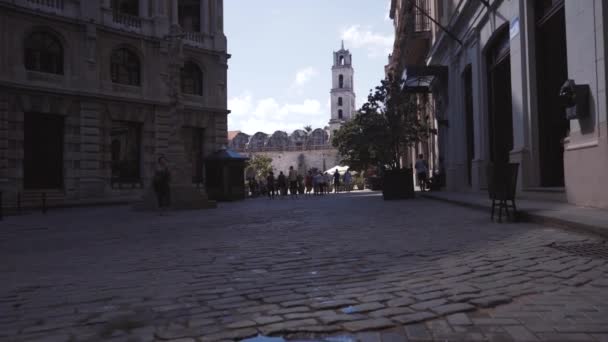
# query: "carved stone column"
174, 12
143, 8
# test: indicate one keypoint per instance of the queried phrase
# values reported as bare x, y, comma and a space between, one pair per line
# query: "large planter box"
398, 184
373, 183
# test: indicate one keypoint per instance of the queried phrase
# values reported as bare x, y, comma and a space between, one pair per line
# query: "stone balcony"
200, 40
126, 20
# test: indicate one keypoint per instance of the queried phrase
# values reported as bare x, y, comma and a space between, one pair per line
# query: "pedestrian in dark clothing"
422, 169
162, 177
270, 184
308, 183
282, 183
293, 181
337, 181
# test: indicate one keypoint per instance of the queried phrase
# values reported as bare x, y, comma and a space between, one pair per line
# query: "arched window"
341, 60
341, 81
340, 114
44, 53
339, 101
125, 67
192, 79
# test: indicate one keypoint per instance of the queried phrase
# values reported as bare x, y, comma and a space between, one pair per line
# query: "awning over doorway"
419, 78
227, 154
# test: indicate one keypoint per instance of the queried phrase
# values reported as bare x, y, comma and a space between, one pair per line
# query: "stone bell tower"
342, 90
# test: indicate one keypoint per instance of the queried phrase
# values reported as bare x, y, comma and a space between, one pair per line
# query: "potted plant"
380, 134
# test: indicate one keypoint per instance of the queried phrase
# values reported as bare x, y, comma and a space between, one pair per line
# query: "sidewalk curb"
526, 216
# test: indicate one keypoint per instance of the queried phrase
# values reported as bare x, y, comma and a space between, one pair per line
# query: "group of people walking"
314, 182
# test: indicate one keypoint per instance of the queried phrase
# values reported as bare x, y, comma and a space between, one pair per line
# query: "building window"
339, 101
341, 81
125, 67
192, 79
44, 53
340, 114
341, 60
189, 13
130, 7
126, 152
422, 21
545, 8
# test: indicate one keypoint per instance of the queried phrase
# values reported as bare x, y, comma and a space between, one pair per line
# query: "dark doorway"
468, 108
126, 153
552, 69
43, 151
500, 108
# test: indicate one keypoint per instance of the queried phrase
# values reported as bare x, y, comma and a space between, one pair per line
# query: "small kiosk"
225, 175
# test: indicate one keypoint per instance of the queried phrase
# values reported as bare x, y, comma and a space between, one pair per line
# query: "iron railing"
55, 4
127, 19
195, 37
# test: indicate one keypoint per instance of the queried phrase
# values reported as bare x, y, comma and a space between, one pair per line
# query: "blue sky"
279, 76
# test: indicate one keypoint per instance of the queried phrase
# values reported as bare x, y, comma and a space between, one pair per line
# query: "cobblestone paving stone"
349, 266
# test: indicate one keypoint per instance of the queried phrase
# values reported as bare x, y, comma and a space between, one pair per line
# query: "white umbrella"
341, 169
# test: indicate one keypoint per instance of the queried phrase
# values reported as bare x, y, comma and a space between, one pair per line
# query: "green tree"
308, 128
386, 125
261, 165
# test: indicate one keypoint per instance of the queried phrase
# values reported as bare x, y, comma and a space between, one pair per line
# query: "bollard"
18, 203
44, 202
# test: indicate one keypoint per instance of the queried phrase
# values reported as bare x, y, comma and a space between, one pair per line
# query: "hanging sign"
514, 28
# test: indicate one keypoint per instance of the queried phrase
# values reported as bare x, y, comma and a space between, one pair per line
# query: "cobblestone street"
350, 266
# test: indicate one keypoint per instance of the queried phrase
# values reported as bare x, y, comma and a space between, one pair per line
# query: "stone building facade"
413, 36
505, 62
93, 92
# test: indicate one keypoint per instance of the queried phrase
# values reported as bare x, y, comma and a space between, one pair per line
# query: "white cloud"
304, 75
268, 115
363, 37
241, 105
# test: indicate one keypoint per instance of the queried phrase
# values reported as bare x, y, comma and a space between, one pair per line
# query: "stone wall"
302, 160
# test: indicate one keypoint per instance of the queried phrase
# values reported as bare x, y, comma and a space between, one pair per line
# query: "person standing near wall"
321, 183
347, 180
336, 181
293, 181
422, 170
327, 182
308, 182
162, 177
270, 184
282, 183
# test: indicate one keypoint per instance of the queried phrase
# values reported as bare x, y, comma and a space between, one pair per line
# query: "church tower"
342, 90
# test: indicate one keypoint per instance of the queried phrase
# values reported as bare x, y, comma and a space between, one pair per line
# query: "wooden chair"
502, 187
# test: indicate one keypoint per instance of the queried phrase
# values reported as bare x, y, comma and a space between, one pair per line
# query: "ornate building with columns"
495, 70
93, 92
